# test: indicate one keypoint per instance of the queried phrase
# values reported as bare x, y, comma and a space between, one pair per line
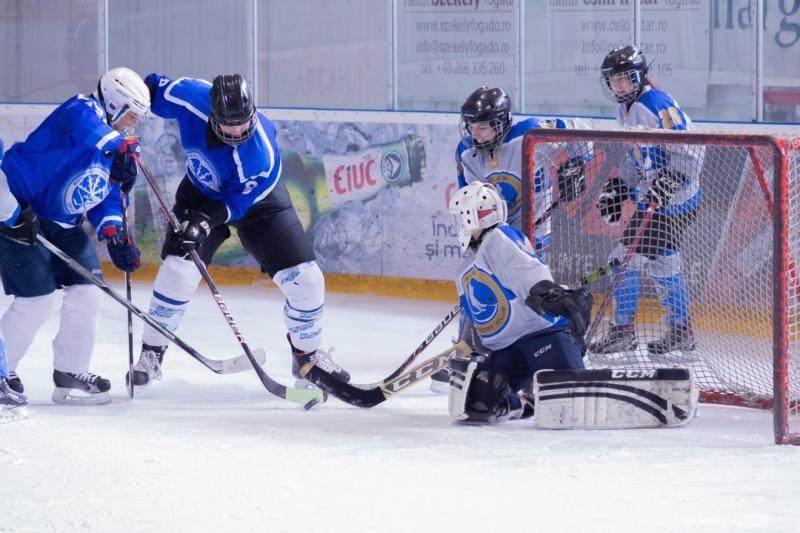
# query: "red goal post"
736, 258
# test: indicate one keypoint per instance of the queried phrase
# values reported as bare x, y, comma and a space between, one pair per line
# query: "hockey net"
737, 257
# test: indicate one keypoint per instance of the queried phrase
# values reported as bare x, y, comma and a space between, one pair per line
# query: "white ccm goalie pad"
614, 399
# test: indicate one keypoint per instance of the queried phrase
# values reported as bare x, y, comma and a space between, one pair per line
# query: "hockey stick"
370, 395
309, 398
225, 366
129, 298
617, 279
428, 340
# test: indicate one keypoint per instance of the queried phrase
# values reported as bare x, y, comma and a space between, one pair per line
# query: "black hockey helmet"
486, 105
232, 106
626, 61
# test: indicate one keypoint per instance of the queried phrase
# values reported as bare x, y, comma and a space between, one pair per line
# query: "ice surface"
204, 452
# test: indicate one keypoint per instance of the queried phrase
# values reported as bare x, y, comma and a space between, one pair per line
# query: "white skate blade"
676, 357
66, 396
10, 414
627, 357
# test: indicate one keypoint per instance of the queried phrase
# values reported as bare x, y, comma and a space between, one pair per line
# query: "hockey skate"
676, 347
616, 347
321, 358
440, 381
13, 405
148, 368
84, 388
15, 383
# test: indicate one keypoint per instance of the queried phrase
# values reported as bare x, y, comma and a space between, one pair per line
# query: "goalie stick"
309, 398
428, 340
225, 366
372, 394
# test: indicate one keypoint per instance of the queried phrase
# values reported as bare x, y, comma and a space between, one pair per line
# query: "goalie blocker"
614, 399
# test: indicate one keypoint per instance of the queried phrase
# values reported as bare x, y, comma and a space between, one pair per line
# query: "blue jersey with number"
62, 168
239, 176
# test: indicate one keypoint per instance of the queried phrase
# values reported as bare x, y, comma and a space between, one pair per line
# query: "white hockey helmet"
122, 91
477, 207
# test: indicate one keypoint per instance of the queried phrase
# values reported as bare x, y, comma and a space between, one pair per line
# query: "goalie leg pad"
614, 399
479, 394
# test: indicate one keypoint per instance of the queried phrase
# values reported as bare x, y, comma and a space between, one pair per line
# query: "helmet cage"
229, 138
475, 208
500, 125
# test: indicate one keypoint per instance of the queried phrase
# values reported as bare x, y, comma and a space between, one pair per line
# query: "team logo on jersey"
510, 188
202, 170
391, 166
487, 301
86, 190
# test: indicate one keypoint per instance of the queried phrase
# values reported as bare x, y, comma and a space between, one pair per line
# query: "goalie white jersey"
504, 170
656, 109
494, 283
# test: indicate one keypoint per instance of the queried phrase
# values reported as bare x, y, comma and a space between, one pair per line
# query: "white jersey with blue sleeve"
657, 109
238, 176
62, 168
494, 283
503, 169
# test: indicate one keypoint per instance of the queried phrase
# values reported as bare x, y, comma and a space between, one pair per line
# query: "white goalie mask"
477, 207
124, 96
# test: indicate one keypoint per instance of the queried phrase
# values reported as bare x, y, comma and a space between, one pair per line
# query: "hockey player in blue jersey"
490, 150
669, 177
232, 179
12, 403
525, 321
72, 167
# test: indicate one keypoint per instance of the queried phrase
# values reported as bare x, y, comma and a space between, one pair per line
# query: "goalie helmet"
628, 67
124, 96
491, 107
477, 207
233, 110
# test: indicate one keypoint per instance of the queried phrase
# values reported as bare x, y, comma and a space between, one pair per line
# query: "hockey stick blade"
370, 395
236, 364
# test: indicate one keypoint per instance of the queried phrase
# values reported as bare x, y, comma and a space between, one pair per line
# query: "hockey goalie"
524, 325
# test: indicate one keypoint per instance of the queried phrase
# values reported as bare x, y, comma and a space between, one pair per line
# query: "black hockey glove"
610, 201
24, 229
664, 187
571, 179
549, 298
194, 232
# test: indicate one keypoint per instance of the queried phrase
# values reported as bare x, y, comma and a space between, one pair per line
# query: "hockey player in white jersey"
525, 321
73, 167
233, 169
666, 176
490, 150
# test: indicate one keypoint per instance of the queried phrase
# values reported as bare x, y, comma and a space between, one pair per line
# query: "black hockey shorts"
664, 234
270, 231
